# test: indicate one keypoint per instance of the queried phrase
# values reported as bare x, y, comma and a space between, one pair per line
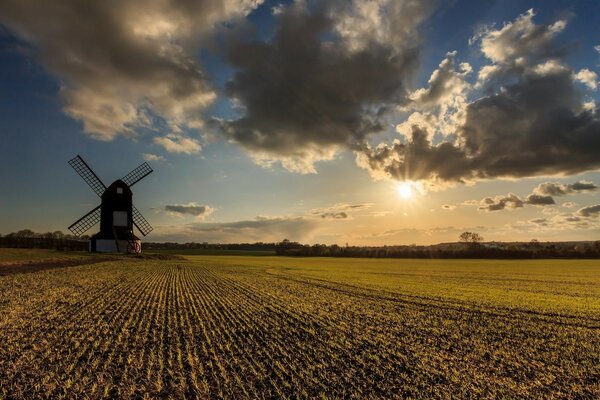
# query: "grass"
271, 327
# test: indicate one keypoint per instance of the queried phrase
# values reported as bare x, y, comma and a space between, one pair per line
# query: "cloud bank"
125, 65
331, 76
542, 196
532, 119
325, 80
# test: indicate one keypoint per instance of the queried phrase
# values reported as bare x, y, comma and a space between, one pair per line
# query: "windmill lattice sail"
86, 173
140, 222
137, 174
84, 223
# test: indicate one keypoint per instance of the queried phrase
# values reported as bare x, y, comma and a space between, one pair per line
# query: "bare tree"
470, 238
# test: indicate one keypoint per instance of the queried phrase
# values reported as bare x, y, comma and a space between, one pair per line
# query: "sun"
405, 190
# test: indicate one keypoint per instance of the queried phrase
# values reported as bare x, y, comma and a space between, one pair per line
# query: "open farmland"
271, 327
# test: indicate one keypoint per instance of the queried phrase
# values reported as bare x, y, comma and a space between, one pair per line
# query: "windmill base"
115, 246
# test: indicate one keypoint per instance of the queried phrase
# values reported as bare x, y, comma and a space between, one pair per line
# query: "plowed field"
268, 327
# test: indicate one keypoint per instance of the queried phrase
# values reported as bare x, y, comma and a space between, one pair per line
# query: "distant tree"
470, 238
25, 233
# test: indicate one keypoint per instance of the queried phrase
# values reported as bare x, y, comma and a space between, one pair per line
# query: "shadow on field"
22, 267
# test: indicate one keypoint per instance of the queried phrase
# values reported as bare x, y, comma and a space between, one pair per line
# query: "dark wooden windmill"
116, 213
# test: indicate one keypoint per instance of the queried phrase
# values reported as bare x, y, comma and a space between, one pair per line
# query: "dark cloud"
589, 211
540, 200
534, 122
189, 209
560, 189
325, 79
583, 186
334, 215
121, 64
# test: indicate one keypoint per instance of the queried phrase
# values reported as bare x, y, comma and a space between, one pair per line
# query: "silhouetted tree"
470, 238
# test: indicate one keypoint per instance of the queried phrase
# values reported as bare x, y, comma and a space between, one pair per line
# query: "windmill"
116, 213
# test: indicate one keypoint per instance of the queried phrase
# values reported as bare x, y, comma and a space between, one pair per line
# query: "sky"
367, 122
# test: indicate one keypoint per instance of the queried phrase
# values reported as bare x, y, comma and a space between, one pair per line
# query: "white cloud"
178, 144
588, 78
153, 157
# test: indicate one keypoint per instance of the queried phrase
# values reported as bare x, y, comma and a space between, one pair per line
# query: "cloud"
445, 83
340, 210
539, 221
569, 204
124, 66
379, 213
448, 207
511, 201
549, 211
325, 79
178, 144
153, 157
580, 220
532, 119
540, 200
265, 229
560, 189
542, 196
589, 211
519, 44
334, 215
588, 78
200, 211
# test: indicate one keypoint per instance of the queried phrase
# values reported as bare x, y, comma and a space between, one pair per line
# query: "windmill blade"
137, 174
88, 175
86, 222
140, 222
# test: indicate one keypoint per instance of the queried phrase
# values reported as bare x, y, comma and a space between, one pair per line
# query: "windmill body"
116, 213
116, 221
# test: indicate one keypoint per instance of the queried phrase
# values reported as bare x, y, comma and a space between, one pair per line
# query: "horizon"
369, 123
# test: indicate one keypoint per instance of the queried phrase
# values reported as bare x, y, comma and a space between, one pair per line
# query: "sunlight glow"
405, 190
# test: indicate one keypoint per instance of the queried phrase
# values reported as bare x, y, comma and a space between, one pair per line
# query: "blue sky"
304, 185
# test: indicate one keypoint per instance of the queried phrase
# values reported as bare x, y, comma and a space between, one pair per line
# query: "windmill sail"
137, 174
88, 175
86, 222
140, 222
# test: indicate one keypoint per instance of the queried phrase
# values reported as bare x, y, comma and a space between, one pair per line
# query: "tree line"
469, 245
28, 239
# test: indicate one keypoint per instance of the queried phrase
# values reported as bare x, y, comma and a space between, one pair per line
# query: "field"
271, 327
